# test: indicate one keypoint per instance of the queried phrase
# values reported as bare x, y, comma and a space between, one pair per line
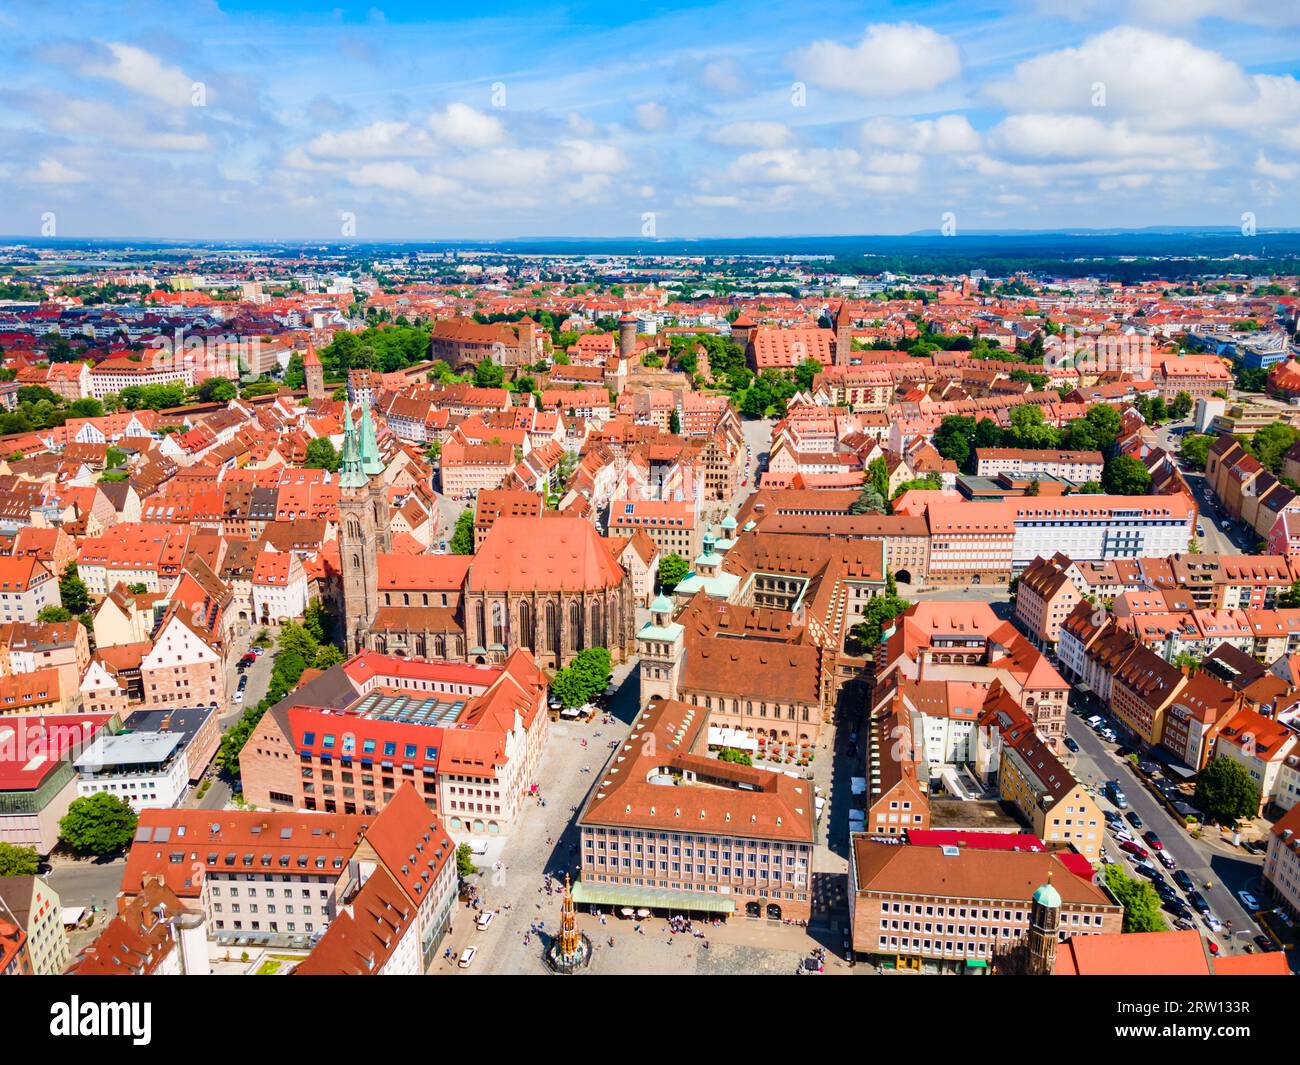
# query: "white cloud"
462, 125
586, 157
377, 140
752, 134
145, 74
724, 76
1281, 171
652, 116
948, 133
52, 172
1169, 82
892, 59
1044, 136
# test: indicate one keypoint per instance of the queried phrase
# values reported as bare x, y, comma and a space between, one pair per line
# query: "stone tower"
358, 542
627, 326
1044, 923
661, 643
843, 335
314, 372
372, 465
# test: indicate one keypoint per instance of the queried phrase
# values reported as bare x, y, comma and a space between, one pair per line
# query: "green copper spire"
351, 474
371, 463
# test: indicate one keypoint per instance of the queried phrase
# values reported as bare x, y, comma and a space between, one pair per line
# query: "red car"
1153, 841
1135, 849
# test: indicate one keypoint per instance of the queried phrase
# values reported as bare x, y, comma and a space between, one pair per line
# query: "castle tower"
529, 350
1044, 922
843, 335
358, 545
372, 465
314, 372
661, 643
741, 328
627, 326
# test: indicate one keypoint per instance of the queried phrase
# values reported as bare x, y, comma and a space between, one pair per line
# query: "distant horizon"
1079, 232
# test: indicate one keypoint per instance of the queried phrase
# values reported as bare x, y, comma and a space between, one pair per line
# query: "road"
1236, 539
1097, 762
86, 883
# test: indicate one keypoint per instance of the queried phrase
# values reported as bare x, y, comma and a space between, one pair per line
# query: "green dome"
728, 522
1048, 896
662, 605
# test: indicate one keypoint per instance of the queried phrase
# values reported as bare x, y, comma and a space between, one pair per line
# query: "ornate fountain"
571, 949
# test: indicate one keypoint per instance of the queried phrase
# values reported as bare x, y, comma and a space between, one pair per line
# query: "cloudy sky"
290, 119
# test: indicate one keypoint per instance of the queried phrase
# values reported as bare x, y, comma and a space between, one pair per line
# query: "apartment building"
467, 738
37, 910
958, 909
284, 877
1077, 467
26, 587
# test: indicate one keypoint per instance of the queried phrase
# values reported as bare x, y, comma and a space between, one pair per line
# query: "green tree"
53, 613
321, 455
1195, 449
1139, 899
805, 372
1126, 476
1225, 792
72, 590
672, 569
583, 679
99, 824
1273, 441
675, 422
18, 861
487, 374
217, 390
864, 637
465, 867
462, 539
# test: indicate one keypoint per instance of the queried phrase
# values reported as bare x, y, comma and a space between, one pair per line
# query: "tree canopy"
99, 824
1225, 792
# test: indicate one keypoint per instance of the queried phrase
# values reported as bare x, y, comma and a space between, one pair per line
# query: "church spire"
351, 472
371, 464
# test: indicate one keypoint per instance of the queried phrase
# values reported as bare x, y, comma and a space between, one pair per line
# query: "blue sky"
287, 119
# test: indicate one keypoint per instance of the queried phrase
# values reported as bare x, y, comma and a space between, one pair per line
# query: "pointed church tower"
358, 546
372, 465
314, 373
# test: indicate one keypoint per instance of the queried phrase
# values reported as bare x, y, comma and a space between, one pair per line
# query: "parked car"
1166, 859
1070, 745
1212, 922
484, 919
1264, 943
1248, 900
1153, 841
1198, 902
1135, 849
239, 695
1184, 880
467, 957
1133, 819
